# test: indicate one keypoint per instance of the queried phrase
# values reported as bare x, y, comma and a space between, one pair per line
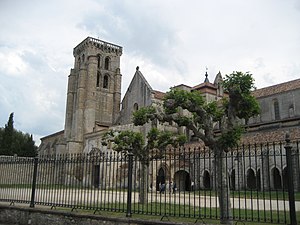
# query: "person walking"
163, 188
174, 188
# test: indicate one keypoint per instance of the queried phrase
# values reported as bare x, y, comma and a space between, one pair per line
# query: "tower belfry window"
106, 63
105, 81
98, 79
98, 62
276, 109
79, 62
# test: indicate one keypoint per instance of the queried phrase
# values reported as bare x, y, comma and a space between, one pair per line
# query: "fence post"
129, 189
288, 149
34, 182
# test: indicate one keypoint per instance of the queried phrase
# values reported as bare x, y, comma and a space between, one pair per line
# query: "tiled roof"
270, 136
182, 85
261, 137
278, 88
203, 85
54, 134
159, 95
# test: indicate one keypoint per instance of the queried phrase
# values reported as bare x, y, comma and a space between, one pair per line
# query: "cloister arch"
276, 178
160, 178
206, 180
183, 180
251, 179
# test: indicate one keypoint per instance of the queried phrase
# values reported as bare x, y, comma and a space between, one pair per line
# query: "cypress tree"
7, 138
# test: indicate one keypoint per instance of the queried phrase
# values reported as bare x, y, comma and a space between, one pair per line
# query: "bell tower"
94, 90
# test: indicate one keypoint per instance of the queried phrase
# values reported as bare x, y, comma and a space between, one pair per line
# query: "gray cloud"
34, 93
141, 30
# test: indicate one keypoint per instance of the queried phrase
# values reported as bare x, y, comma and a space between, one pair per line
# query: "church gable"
138, 94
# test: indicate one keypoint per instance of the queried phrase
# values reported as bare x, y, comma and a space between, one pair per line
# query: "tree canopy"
134, 142
202, 117
16, 142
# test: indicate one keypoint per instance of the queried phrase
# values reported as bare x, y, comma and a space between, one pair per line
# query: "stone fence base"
20, 215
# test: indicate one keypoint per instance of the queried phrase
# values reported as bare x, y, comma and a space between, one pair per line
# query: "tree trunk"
143, 194
223, 187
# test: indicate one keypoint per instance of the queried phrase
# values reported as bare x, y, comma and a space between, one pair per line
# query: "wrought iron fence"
264, 182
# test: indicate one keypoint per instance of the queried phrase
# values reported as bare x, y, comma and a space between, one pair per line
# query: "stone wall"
16, 170
25, 215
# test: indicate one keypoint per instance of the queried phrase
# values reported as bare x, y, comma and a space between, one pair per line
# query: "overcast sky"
172, 41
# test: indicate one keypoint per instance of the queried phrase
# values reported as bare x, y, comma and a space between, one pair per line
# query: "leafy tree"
16, 142
134, 142
29, 148
201, 119
1, 141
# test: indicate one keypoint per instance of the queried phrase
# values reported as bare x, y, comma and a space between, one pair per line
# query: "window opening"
276, 110
106, 65
98, 63
105, 81
135, 107
98, 79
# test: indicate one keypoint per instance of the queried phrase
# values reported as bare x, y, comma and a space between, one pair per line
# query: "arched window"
98, 79
83, 58
135, 107
98, 61
276, 109
105, 81
106, 63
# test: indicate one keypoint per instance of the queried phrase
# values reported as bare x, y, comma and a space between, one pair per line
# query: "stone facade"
94, 100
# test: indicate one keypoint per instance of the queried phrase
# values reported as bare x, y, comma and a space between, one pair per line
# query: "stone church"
94, 103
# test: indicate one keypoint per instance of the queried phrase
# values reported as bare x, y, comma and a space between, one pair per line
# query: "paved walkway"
95, 197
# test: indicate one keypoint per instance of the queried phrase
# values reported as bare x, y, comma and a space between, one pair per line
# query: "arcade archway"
206, 180
277, 184
251, 179
160, 178
183, 180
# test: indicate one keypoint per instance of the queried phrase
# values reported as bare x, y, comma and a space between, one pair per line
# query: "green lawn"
180, 213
